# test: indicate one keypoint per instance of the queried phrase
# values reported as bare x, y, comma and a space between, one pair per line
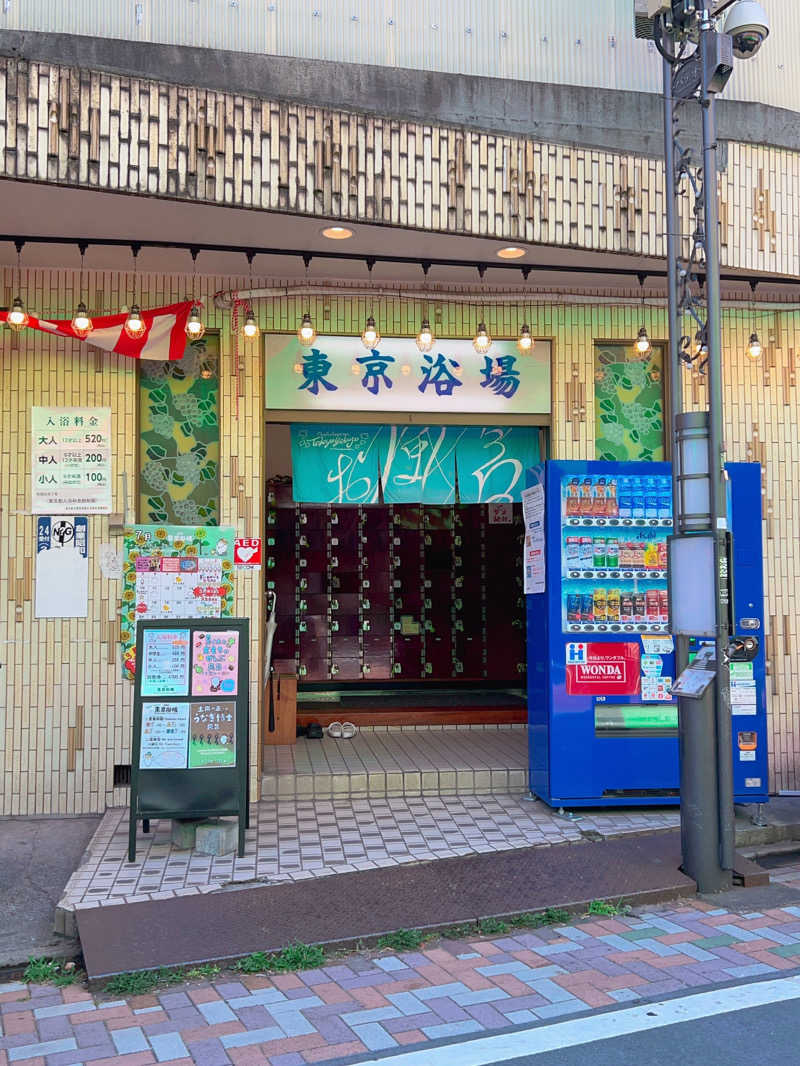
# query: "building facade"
155, 134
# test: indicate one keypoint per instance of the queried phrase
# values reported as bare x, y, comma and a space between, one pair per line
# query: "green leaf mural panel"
629, 403
179, 437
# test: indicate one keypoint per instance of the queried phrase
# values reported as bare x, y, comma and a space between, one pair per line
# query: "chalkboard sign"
190, 722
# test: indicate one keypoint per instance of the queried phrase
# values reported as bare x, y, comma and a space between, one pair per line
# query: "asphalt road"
754, 1023
37, 857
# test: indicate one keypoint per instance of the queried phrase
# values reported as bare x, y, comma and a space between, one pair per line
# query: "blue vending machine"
603, 724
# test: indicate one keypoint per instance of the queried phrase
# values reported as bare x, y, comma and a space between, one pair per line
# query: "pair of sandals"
342, 730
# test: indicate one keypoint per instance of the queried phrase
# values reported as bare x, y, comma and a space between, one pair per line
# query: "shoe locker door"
376, 592
407, 592
345, 607
313, 614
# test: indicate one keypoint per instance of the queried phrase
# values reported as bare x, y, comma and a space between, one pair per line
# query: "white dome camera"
748, 24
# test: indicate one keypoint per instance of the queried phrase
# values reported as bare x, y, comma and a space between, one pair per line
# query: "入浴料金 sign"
71, 460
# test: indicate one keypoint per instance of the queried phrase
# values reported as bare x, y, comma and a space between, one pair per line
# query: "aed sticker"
652, 665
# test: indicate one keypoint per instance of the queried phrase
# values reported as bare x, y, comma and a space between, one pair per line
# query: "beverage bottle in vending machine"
665, 501
652, 606
637, 498
651, 556
572, 505
662, 555
587, 607
586, 553
613, 605
599, 498
663, 597
586, 498
639, 607
625, 500
612, 553
626, 608
573, 607
600, 605
573, 552
650, 498
612, 503
599, 560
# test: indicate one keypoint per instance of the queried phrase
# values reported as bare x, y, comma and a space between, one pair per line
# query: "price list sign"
71, 460
165, 670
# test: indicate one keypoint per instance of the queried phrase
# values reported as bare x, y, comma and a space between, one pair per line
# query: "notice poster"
215, 662
165, 665
71, 460
533, 553
165, 736
213, 740
174, 572
62, 567
595, 669
656, 689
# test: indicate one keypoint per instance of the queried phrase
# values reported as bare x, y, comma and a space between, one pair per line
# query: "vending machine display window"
614, 553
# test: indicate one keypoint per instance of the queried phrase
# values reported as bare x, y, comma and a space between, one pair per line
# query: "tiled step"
415, 763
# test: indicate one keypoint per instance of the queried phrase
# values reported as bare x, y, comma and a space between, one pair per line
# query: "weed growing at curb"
294, 957
607, 908
492, 927
50, 971
404, 939
141, 981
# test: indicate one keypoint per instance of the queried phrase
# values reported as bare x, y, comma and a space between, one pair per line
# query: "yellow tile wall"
64, 709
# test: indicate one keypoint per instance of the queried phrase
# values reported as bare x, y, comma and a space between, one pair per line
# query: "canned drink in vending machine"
587, 607
600, 605
573, 607
639, 607
653, 606
663, 597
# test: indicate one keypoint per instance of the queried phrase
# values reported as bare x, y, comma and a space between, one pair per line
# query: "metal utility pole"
694, 75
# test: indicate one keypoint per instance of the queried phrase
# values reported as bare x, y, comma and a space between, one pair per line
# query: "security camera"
748, 24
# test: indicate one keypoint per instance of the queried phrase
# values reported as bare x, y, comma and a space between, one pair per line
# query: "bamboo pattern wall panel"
98, 130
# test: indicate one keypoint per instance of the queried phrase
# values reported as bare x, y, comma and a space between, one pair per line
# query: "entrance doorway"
395, 615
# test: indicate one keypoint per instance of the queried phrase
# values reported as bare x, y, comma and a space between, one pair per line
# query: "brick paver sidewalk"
387, 1000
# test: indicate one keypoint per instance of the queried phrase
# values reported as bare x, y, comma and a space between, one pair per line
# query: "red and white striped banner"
164, 336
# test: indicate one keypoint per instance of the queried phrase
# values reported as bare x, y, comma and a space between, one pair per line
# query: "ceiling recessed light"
511, 253
337, 233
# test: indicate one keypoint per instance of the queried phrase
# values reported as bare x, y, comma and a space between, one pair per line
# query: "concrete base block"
216, 837
184, 832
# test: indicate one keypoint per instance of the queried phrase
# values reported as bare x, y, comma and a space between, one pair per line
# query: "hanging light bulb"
754, 348
18, 317
525, 340
370, 337
425, 337
306, 334
481, 342
195, 328
642, 341
134, 324
81, 323
250, 330
700, 343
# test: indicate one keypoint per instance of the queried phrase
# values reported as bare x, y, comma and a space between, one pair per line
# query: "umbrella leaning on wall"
270, 636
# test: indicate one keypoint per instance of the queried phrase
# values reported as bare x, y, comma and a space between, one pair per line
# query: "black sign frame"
197, 792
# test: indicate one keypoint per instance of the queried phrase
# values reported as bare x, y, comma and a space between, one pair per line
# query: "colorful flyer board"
71, 460
164, 736
213, 734
215, 662
174, 572
595, 669
165, 666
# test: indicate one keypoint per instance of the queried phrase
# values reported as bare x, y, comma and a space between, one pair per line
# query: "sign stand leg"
132, 834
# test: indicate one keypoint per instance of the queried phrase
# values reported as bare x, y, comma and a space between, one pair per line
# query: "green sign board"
190, 722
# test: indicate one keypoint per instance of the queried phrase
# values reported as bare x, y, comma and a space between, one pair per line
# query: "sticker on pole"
596, 669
